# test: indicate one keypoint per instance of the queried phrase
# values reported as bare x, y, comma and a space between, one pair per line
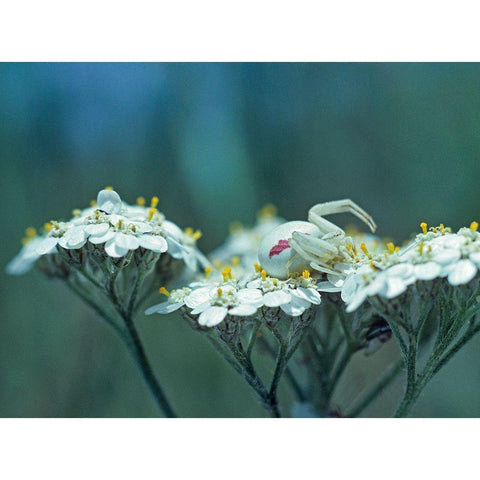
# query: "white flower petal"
109, 201
128, 242
462, 272
349, 288
75, 237
294, 308
197, 297
276, 298
327, 287
401, 270
336, 280
101, 238
475, 258
142, 227
446, 256
308, 294
164, 307
243, 310
47, 245
97, 229
114, 250
20, 264
212, 316
155, 243
356, 300
394, 287
250, 295
255, 283
201, 308
427, 271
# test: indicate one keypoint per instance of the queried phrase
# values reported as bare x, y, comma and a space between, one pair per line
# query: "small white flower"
176, 300
294, 296
26, 258
214, 304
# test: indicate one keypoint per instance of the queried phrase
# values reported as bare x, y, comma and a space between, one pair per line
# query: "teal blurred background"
215, 142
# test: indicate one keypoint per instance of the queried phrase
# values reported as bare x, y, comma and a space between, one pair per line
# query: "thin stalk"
289, 375
411, 391
139, 355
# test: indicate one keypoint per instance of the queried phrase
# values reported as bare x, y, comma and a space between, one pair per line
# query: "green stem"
411, 391
138, 353
289, 375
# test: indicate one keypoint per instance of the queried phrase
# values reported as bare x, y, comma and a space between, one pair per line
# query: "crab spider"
318, 243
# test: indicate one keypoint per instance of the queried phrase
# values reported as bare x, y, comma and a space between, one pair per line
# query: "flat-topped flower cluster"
118, 226
436, 253
220, 294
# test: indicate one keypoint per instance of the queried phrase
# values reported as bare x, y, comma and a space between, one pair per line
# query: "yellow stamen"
108, 188
141, 201
364, 249
134, 228
163, 291
258, 267
372, 265
267, 211
306, 274
208, 271
76, 212
424, 226
93, 203
474, 226
441, 228
119, 224
264, 275
151, 212
227, 273
235, 227
47, 226
217, 264
390, 247
429, 249
189, 231
219, 292
197, 235
31, 232
397, 249
154, 202
235, 261
420, 248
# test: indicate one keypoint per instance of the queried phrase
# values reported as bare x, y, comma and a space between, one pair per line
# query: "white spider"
319, 244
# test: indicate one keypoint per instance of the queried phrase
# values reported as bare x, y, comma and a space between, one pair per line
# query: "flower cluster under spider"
220, 294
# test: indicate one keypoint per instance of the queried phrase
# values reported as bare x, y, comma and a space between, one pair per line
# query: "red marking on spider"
278, 248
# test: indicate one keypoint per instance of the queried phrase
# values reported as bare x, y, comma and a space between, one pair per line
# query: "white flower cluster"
215, 297
120, 227
241, 246
435, 253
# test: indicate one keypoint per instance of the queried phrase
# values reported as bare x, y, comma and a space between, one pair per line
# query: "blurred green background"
216, 142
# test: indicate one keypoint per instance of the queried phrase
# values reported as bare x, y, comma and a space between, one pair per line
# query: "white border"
247, 30
238, 449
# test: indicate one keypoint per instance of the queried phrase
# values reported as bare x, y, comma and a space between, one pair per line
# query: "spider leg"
316, 213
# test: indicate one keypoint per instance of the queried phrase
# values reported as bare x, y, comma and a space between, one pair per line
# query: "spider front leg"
317, 212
